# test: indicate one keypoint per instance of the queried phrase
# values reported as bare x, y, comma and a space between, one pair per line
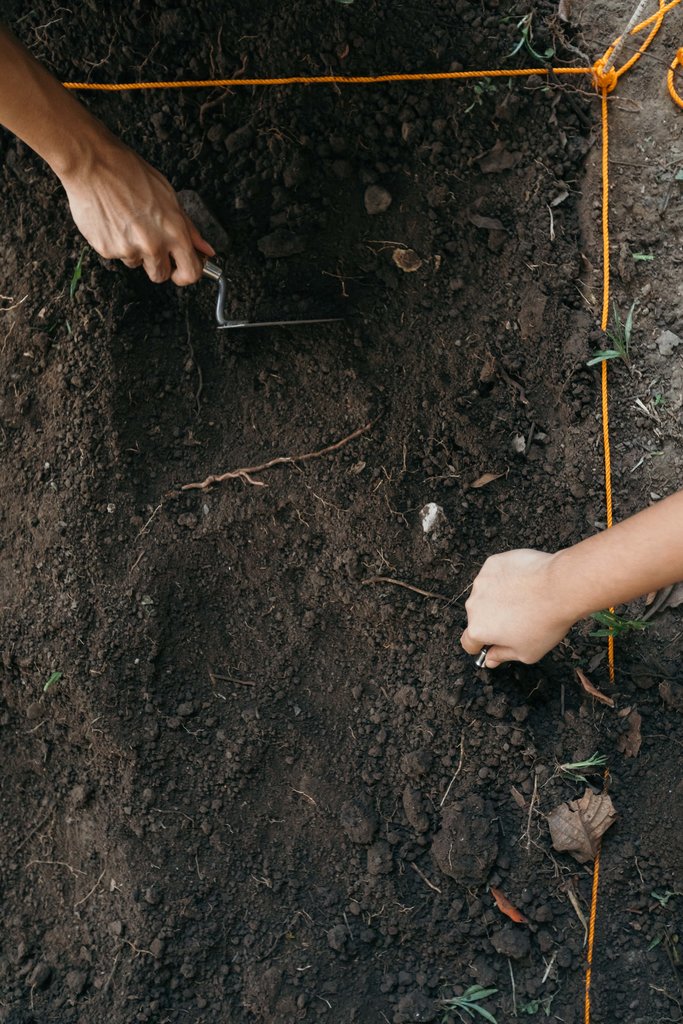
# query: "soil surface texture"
248, 774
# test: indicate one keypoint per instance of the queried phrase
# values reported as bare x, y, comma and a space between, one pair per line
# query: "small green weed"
620, 336
616, 625
53, 678
468, 1003
643, 257
524, 27
664, 897
77, 274
481, 89
578, 770
536, 1005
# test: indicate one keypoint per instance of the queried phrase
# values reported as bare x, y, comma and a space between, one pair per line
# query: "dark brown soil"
240, 799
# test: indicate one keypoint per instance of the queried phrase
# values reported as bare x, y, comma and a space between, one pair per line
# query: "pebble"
672, 695
377, 200
187, 519
667, 342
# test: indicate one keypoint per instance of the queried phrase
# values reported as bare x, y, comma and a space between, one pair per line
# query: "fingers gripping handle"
215, 273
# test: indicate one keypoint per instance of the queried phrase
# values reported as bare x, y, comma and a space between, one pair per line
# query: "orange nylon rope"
434, 76
677, 62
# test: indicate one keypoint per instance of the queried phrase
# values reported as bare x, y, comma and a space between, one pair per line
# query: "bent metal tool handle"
215, 273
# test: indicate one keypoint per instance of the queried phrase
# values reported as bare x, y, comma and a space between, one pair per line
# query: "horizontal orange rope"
434, 76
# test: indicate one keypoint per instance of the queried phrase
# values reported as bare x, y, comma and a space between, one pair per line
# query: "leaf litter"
578, 826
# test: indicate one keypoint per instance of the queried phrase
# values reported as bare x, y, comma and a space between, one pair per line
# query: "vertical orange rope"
604, 322
591, 937
608, 494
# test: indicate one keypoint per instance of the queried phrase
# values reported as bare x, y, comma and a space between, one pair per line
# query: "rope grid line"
605, 78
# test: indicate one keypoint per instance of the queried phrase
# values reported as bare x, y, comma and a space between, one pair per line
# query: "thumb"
498, 655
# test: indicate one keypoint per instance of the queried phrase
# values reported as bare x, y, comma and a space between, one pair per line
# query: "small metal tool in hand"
480, 660
215, 273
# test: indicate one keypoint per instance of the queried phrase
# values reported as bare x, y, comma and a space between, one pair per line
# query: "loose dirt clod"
466, 845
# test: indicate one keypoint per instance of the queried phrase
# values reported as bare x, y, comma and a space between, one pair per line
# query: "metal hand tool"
215, 273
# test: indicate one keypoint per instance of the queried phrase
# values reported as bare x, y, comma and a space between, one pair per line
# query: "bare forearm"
523, 602
123, 207
635, 557
36, 108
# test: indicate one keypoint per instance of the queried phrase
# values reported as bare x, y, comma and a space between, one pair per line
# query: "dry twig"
406, 586
245, 473
424, 877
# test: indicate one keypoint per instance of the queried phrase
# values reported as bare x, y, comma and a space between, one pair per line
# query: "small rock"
377, 199
40, 975
380, 861
406, 260
358, 820
187, 519
667, 342
432, 516
185, 710
512, 942
415, 1006
156, 947
672, 695
280, 244
336, 938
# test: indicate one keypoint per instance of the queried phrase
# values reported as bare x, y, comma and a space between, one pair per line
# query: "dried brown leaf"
629, 742
593, 690
406, 260
505, 907
486, 478
577, 827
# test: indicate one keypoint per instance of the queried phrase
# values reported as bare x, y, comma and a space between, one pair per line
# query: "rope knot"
604, 79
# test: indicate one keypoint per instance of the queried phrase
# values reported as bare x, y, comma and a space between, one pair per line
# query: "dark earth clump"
268, 786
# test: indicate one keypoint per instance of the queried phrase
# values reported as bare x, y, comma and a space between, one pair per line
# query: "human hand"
515, 606
127, 210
